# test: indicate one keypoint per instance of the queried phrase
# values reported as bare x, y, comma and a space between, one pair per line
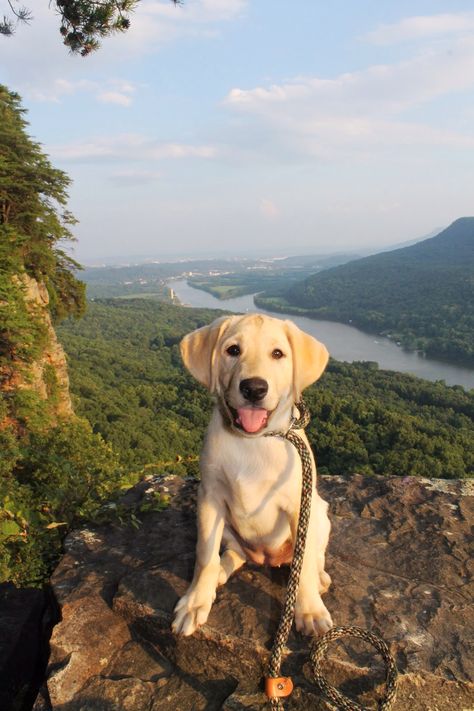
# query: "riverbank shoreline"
345, 342
396, 339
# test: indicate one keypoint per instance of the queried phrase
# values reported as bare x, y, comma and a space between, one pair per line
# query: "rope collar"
296, 423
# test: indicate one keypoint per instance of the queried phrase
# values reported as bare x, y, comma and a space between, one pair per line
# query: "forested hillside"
422, 296
128, 380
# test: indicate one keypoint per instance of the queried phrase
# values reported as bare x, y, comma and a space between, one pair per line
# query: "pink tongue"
252, 419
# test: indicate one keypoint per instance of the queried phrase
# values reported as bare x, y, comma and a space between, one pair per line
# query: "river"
344, 342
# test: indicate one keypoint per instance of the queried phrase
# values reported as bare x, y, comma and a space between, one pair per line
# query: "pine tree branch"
82, 22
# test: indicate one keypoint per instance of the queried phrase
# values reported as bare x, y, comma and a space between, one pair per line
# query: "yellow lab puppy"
249, 494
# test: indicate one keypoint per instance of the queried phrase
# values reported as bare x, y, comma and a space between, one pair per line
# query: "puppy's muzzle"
253, 389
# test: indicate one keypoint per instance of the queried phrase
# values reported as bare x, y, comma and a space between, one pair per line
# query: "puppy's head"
257, 365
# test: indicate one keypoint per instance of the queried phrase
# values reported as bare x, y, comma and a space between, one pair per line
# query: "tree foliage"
128, 380
83, 23
34, 222
128, 352
17, 13
51, 471
49, 480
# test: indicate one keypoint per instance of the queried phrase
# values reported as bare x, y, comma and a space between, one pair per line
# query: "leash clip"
277, 687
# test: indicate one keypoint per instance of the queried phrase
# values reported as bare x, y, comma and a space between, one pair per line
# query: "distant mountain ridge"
422, 295
455, 242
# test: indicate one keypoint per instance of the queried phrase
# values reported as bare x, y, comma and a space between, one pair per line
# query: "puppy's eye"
233, 350
277, 354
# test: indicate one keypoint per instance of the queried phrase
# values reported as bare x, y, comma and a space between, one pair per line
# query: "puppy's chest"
265, 482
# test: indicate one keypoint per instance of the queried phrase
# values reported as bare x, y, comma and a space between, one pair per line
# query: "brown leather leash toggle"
276, 686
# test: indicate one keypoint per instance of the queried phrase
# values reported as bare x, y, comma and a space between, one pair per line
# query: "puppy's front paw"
312, 618
192, 611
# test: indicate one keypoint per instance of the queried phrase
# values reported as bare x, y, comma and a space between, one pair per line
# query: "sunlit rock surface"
400, 563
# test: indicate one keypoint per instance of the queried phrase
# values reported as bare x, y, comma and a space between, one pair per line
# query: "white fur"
248, 498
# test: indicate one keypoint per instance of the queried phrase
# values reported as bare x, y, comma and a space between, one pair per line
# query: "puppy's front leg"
311, 614
194, 607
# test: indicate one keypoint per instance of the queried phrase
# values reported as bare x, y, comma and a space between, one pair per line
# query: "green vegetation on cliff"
53, 469
33, 223
421, 295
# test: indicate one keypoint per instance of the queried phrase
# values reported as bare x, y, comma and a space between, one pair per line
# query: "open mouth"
249, 419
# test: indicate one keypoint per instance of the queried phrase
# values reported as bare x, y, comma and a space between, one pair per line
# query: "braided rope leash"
276, 686
319, 649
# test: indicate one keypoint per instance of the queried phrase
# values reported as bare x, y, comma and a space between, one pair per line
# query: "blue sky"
257, 125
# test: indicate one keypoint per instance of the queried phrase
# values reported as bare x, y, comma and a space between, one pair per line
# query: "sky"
256, 126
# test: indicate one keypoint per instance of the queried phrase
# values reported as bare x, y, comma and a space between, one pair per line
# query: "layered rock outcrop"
400, 563
46, 375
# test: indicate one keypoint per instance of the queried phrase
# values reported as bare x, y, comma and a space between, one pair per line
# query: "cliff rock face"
400, 565
47, 375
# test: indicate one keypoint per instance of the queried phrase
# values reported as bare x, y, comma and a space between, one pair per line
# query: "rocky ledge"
400, 563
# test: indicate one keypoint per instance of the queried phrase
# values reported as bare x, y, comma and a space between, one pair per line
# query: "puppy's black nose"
254, 389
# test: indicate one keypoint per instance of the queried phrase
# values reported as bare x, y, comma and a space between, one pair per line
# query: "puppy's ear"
310, 357
198, 351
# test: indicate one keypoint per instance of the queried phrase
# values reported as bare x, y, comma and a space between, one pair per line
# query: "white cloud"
114, 97
57, 89
223, 9
117, 92
191, 12
378, 89
159, 22
361, 110
110, 91
128, 147
422, 27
